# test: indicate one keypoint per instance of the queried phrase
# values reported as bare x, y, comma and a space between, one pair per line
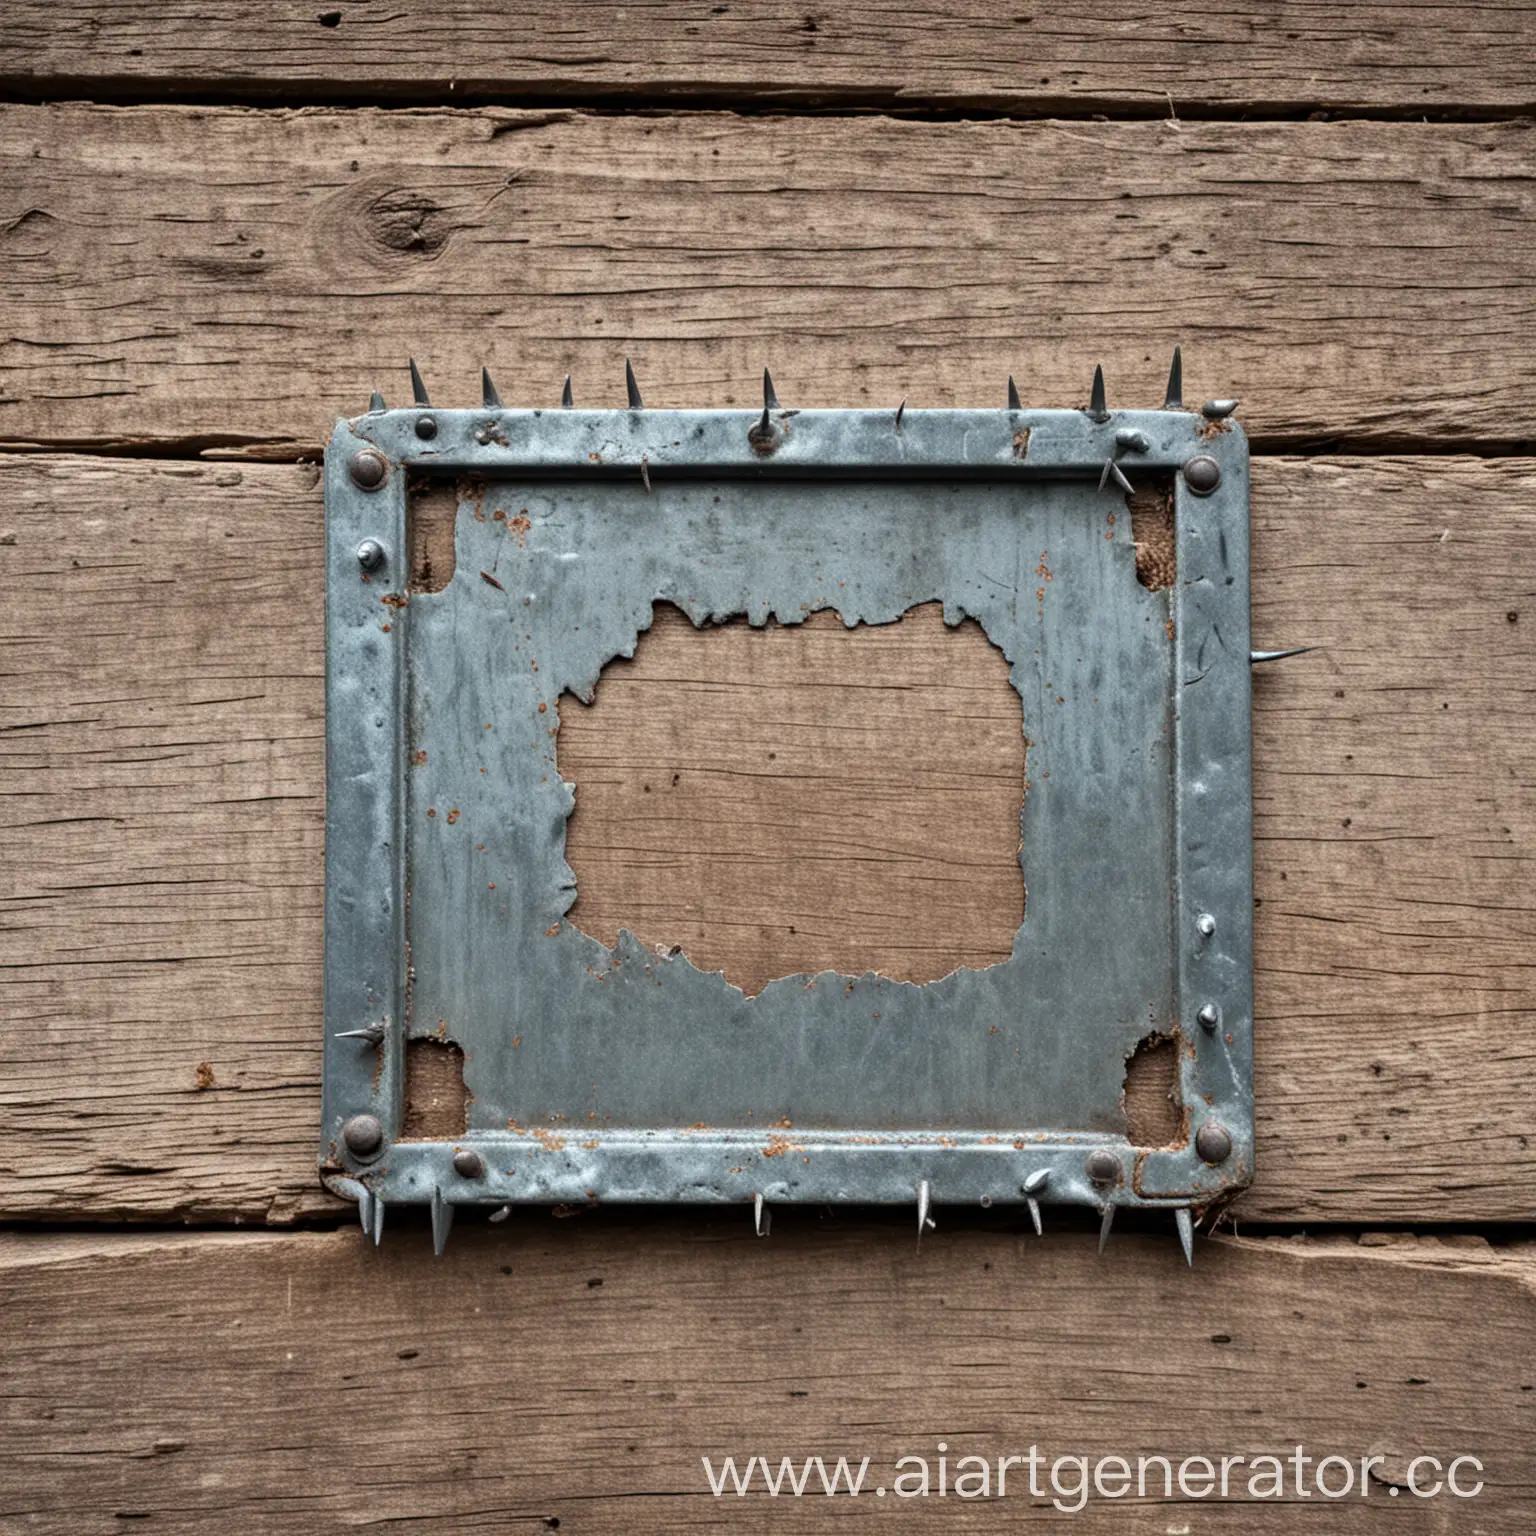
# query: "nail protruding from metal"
1202, 474
1104, 1167
1209, 1016
770, 399
1104, 1226
488, 396
1013, 395
378, 1220
1032, 1188
370, 555
372, 1033
632, 388
762, 1217
1205, 925
1112, 471
567, 401
376, 403
468, 1164
363, 1134
925, 1222
1255, 657
1213, 1141
502, 1214
418, 389
1173, 398
1215, 410
901, 411
1097, 409
1185, 1221
442, 1220
365, 1211
368, 469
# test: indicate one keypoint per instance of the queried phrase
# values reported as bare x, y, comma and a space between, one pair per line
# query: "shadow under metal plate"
625, 1075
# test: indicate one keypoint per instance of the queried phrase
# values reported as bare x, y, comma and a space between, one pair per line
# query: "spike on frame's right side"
1173, 399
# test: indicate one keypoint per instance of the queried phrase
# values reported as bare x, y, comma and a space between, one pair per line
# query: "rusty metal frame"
400, 665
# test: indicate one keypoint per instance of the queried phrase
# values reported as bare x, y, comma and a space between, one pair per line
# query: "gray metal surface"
636, 1077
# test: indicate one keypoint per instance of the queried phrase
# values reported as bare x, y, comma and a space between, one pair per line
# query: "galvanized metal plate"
625, 1075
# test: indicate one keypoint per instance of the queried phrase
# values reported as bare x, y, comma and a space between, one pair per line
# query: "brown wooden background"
222, 224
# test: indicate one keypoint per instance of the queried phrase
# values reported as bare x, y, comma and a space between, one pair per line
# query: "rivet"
1213, 1142
1104, 1168
368, 469
468, 1165
1209, 1016
426, 427
1205, 925
363, 1135
370, 554
1202, 474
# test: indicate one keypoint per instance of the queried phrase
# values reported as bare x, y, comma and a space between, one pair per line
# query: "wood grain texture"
295, 1383
1154, 56
727, 782
162, 811
227, 281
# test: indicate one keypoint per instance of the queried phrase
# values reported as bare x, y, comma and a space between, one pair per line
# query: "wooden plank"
228, 281
304, 1382
163, 824
1153, 57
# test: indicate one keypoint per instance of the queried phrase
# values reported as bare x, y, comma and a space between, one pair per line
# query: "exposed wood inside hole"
1154, 1108
802, 798
432, 509
436, 1100
1151, 507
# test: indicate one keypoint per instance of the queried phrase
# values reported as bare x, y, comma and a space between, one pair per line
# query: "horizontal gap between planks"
772, 102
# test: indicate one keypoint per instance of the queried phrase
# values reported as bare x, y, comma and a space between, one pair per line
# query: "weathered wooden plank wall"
219, 229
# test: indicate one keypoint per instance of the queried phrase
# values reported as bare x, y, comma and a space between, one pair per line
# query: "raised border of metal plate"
366, 465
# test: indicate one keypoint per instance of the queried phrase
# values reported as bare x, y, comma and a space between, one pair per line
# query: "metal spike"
502, 1214
1013, 395
925, 1222
1216, 409
1112, 471
765, 426
365, 1211
378, 1220
376, 402
1173, 400
1105, 1225
566, 401
372, 1033
635, 402
488, 395
1255, 657
418, 389
1097, 409
762, 1217
442, 1220
1186, 1225
1032, 1187
770, 400
901, 411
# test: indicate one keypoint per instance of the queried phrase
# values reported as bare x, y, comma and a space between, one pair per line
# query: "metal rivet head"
1202, 474
363, 1135
1104, 1168
1205, 925
468, 1165
1213, 1142
426, 427
370, 554
368, 469
1209, 1016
